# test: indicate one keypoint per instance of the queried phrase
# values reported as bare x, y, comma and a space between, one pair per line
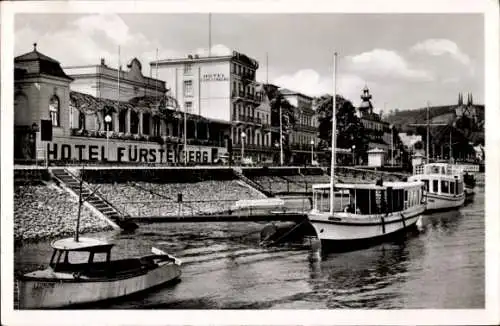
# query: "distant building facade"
304, 134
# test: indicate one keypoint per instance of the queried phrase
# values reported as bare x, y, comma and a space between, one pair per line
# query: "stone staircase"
95, 200
239, 174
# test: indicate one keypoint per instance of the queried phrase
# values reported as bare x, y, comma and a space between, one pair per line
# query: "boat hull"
349, 228
57, 293
437, 202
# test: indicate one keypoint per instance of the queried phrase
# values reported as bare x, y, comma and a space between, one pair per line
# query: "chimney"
103, 63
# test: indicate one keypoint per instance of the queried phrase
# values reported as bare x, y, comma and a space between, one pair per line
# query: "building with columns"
224, 89
97, 115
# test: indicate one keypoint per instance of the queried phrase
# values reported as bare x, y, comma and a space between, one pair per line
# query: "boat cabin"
438, 169
368, 199
70, 254
440, 178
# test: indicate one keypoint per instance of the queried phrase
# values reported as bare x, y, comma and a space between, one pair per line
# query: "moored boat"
81, 271
365, 212
75, 275
444, 185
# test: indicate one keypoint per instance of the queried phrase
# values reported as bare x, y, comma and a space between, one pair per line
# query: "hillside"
402, 119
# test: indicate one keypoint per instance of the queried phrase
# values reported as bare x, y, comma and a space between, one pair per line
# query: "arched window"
108, 111
134, 122
156, 126
145, 123
122, 118
54, 110
81, 120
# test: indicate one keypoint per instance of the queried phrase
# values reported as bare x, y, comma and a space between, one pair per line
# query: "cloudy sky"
405, 59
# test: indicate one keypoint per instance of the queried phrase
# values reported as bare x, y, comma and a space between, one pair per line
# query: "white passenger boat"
444, 185
365, 212
362, 212
75, 275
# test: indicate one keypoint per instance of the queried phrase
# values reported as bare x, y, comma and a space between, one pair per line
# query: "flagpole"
209, 34
267, 68
119, 68
156, 79
281, 136
334, 130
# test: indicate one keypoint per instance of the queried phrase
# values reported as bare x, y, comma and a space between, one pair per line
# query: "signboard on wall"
214, 77
85, 149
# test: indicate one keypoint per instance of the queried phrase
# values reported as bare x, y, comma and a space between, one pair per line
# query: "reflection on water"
439, 265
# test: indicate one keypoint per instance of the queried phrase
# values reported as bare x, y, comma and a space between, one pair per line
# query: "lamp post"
243, 136
353, 149
107, 120
312, 151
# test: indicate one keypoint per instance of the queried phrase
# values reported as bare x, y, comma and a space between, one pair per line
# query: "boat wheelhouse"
365, 211
81, 271
444, 185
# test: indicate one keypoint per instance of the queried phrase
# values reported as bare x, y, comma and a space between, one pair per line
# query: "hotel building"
98, 116
223, 89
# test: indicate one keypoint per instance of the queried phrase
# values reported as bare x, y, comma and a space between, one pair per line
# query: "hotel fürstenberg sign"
80, 150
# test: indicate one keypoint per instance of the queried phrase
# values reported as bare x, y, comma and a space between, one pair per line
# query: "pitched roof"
45, 65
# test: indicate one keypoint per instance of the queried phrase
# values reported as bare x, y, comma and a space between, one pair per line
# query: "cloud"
438, 47
111, 25
86, 39
306, 81
383, 63
311, 83
217, 50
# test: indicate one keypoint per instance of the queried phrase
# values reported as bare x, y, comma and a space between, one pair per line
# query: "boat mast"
428, 139
80, 202
334, 130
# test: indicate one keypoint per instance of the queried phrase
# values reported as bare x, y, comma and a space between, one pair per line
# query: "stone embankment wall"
42, 210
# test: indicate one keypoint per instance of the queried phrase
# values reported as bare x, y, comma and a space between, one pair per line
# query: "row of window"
240, 110
306, 120
447, 187
241, 70
251, 137
147, 128
302, 139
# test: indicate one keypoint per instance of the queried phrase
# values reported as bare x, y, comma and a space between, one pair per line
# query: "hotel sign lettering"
214, 77
128, 153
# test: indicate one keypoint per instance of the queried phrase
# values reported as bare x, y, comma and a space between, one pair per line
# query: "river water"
441, 265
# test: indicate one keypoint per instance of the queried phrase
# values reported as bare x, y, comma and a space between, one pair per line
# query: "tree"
350, 130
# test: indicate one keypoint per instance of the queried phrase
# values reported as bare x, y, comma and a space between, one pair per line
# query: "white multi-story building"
222, 88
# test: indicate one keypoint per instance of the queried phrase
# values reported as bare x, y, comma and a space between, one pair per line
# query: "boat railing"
368, 201
438, 169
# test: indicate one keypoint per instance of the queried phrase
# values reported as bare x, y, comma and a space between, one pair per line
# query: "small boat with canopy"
81, 271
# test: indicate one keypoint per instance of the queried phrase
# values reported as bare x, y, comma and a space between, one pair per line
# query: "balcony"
205, 142
246, 97
247, 119
237, 147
